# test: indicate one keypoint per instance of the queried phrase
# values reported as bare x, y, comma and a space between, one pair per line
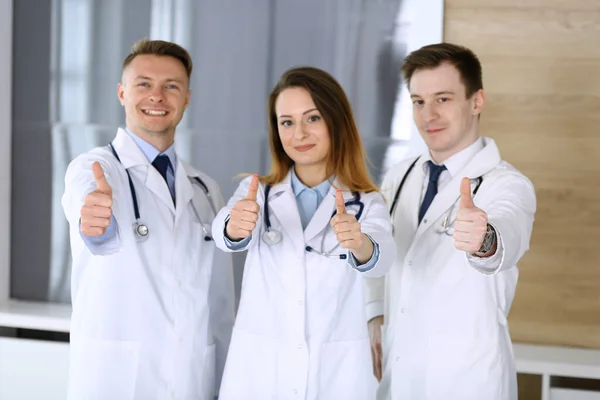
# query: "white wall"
6, 18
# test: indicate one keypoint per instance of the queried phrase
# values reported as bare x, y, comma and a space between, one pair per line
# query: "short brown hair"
346, 155
432, 56
160, 48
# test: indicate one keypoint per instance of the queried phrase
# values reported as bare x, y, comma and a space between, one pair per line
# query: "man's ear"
478, 101
121, 93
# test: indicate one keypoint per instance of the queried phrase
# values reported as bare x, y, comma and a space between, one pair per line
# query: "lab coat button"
402, 310
295, 391
300, 302
397, 359
425, 221
410, 263
300, 347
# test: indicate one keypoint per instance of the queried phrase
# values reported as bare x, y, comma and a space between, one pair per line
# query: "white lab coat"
301, 331
446, 334
151, 320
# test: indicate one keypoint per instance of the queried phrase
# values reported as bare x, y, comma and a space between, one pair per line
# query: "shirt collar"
151, 152
459, 160
298, 187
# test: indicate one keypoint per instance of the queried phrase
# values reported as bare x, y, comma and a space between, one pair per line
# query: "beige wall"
541, 63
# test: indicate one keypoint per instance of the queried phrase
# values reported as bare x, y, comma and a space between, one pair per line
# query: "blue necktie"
432, 188
162, 163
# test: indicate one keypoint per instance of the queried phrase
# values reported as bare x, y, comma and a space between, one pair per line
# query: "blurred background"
61, 62
66, 70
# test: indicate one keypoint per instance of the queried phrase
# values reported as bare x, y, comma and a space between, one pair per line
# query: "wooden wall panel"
541, 67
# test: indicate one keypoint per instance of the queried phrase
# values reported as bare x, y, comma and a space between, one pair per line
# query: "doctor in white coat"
301, 331
152, 299
462, 220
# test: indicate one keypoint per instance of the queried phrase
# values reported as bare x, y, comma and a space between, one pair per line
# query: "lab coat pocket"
250, 367
346, 371
208, 373
103, 369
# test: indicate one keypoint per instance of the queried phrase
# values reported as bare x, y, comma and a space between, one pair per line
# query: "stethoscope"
272, 236
140, 229
447, 223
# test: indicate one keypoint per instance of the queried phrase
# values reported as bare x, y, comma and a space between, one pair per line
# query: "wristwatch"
488, 240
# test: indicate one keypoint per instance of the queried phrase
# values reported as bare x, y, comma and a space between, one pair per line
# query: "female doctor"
312, 227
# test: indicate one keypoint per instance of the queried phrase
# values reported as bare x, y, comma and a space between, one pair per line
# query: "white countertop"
536, 359
557, 360
53, 317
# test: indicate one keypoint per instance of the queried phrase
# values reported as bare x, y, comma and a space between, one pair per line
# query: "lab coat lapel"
132, 157
483, 162
322, 216
128, 151
413, 184
184, 191
282, 204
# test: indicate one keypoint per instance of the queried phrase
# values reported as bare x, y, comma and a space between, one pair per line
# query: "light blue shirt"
308, 200
151, 153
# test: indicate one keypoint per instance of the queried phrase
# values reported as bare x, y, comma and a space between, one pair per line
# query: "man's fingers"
98, 199
102, 185
93, 222
96, 211
92, 231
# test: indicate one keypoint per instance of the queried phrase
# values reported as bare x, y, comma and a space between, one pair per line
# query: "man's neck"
160, 141
440, 157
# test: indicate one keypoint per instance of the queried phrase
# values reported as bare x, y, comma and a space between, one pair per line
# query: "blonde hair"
160, 48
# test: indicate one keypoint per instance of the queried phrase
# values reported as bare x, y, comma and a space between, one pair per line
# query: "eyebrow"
304, 113
141, 77
435, 94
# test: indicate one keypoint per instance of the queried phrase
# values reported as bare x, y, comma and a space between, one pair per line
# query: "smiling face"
302, 129
155, 93
446, 119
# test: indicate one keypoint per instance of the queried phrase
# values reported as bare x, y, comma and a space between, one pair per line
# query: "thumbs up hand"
244, 214
471, 222
348, 232
97, 206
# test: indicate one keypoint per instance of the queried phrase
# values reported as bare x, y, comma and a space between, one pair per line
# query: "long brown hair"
347, 157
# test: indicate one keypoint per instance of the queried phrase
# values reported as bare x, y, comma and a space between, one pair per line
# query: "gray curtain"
239, 48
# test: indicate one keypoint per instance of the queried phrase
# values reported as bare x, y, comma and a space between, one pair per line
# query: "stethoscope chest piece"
271, 236
141, 231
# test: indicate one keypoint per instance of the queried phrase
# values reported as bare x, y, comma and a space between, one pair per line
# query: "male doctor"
462, 219
152, 300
